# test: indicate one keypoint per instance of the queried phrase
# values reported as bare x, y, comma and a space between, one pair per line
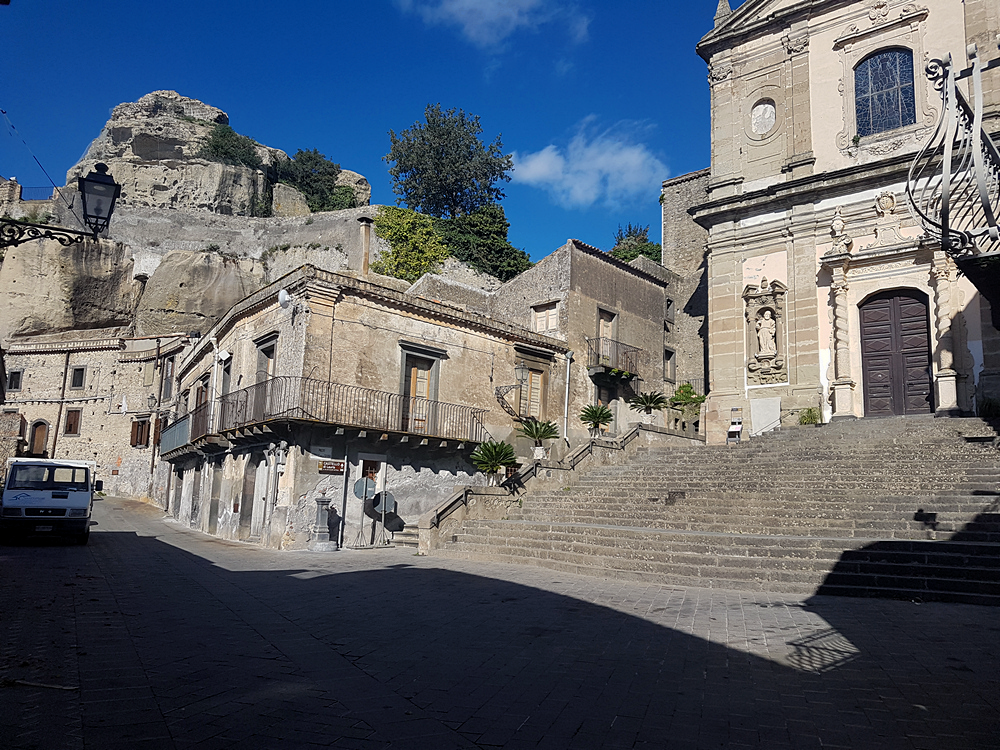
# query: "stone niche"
765, 332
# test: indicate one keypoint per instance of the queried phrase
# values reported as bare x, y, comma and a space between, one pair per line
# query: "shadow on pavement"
170, 650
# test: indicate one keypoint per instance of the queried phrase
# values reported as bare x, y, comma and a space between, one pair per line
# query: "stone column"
843, 385
945, 379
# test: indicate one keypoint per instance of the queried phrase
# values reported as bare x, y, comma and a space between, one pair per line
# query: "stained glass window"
883, 92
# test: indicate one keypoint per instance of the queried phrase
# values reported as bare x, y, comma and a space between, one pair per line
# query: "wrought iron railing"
304, 399
605, 352
201, 420
176, 435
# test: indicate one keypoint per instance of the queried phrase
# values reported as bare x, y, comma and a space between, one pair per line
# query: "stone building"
321, 379
823, 291
618, 319
93, 399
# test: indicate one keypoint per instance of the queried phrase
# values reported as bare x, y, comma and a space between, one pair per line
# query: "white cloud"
608, 168
487, 23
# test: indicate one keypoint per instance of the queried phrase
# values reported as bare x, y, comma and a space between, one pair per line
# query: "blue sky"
598, 101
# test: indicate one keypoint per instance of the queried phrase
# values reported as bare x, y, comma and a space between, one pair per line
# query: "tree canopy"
229, 147
480, 239
632, 242
441, 167
315, 176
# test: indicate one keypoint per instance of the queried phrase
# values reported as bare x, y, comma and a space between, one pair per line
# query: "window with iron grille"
883, 92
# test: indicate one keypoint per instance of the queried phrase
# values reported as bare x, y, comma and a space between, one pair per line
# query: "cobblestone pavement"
155, 636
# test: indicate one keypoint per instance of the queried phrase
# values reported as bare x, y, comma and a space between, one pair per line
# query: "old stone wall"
684, 253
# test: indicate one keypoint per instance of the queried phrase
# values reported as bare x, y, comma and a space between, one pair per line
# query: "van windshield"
71, 478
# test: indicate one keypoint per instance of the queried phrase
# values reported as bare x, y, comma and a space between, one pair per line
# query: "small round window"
762, 117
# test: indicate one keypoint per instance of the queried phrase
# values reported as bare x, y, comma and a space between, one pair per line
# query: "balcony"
176, 435
609, 358
287, 399
192, 433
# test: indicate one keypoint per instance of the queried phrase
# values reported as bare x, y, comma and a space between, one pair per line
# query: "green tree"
315, 176
480, 239
632, 242
441, 167
229, 147
414, 247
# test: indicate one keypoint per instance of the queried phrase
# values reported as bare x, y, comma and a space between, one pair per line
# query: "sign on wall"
331, 467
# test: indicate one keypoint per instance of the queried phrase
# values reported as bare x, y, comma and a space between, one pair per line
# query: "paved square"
156, 636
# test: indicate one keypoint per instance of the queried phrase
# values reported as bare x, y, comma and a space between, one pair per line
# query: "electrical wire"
11, 130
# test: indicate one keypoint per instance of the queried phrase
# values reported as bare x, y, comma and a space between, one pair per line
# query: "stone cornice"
810, 189
743, 24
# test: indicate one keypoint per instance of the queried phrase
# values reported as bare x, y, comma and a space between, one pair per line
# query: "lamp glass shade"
99, 192
521, 372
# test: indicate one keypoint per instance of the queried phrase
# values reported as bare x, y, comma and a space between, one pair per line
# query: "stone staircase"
902, 507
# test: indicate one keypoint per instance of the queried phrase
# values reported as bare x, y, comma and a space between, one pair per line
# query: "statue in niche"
766, 335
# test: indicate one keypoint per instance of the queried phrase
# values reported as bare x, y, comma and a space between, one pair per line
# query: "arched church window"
883, 92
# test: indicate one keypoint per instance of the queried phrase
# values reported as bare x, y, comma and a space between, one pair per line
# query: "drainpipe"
62, 396
569, 365
215, 381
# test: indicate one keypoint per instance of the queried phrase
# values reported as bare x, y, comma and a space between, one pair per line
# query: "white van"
48, 497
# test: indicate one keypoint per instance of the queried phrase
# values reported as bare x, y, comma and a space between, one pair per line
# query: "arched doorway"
896, 354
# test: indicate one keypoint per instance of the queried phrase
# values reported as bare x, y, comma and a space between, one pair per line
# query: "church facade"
823, 290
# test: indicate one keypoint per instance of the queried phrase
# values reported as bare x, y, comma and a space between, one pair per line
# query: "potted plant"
595, 416
538, 431
491, 457
810, 416
647, 403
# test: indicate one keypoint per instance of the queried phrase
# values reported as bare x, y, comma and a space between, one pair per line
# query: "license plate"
43, 528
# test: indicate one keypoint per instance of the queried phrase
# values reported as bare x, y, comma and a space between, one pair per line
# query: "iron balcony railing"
605, 352
305, 399
176, 435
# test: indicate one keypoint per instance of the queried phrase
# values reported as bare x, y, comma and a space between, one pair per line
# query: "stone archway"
896, 354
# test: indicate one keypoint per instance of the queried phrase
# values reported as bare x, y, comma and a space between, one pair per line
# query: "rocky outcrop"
192, 291
152, 147
48, 288
287, 201
362, 189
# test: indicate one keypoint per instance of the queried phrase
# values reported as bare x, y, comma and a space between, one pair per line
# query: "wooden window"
77, 378
267, 352
140, 433
545, 317
669, 365
606, 324
73, 421
534, 394
168, 379
14, 378
416, 388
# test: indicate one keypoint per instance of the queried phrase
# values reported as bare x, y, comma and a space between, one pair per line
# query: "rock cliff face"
152, 147
183, 246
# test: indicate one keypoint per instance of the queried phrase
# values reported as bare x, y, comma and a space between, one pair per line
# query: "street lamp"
99, 192
521, 376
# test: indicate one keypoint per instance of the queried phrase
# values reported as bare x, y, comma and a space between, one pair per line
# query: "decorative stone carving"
795, 45
879, 11
765, 309
842, 242
888, 227
719, 73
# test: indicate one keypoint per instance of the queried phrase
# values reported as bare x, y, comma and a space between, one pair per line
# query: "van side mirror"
99, 485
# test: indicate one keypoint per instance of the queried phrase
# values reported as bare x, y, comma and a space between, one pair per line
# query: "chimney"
366, 242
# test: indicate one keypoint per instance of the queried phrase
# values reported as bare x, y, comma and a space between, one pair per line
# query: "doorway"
896, 354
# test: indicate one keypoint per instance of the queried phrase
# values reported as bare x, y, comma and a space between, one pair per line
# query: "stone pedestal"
843, 399
946, 385
319, 537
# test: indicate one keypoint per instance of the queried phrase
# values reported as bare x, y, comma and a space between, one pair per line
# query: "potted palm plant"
538, 431
491, 457
647, 403
595, 416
